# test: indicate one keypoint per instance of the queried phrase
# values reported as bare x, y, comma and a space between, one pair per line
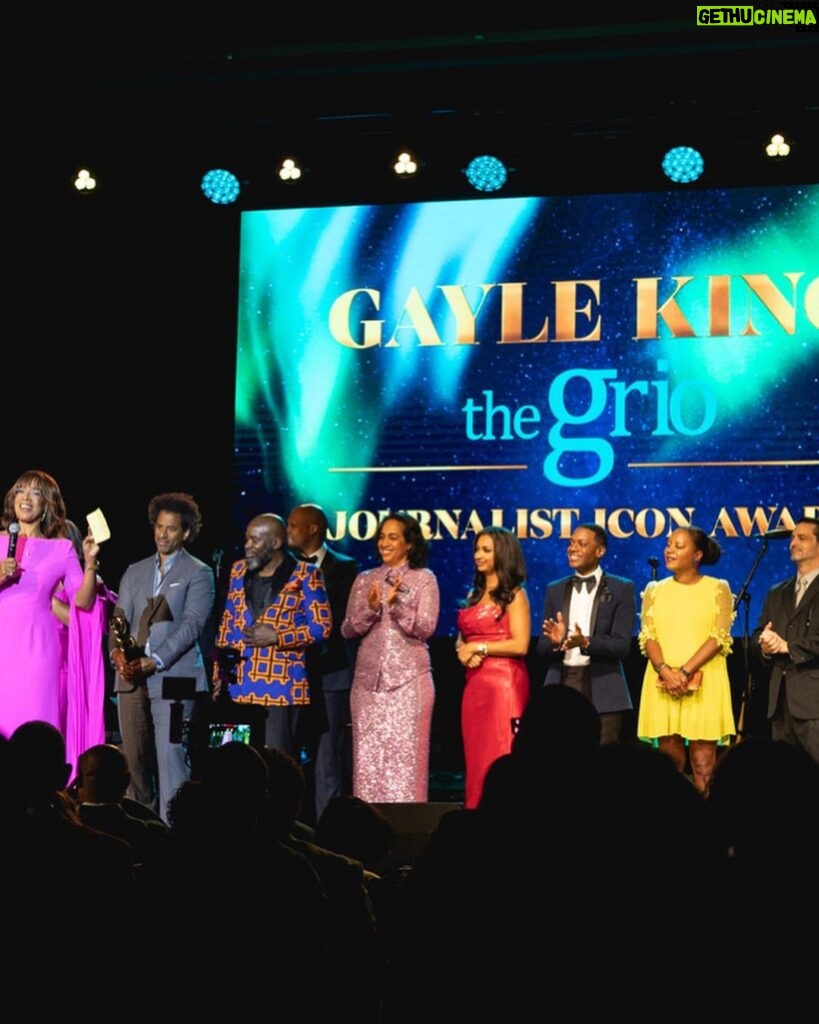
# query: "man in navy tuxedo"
787, 640
588, 622
329, 664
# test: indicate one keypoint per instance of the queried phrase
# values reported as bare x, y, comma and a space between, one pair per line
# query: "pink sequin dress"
393, 694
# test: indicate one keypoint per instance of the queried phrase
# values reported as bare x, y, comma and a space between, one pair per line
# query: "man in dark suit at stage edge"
588, 622
787, 642
329, 664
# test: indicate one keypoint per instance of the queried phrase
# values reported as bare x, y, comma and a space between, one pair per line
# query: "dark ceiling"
568, 92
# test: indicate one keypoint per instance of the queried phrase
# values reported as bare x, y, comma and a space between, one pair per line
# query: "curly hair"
510, 567
418, 545
54, 512
183, 504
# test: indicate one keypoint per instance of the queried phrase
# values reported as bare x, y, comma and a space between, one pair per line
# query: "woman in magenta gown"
48, 673
494, 631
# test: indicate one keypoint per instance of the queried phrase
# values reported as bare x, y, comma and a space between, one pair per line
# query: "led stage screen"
638, 360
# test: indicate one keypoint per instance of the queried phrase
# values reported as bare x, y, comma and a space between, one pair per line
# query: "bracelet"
91, 568
685, 673
483, 649
658, 668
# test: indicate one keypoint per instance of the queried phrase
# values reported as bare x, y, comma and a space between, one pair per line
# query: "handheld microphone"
653, 562
14, 534
781, 534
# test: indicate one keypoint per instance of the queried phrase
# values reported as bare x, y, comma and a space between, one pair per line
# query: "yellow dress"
681, 617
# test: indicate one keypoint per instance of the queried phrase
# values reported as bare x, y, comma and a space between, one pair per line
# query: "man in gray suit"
165, 603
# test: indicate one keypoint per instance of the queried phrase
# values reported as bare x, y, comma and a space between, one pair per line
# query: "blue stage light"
683, 164
221, 187
486, 174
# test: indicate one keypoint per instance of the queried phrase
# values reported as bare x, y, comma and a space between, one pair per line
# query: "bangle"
684, 672
91, 568
658, 668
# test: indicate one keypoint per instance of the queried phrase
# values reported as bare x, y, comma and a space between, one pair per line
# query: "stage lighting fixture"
289, 171
777, 146
404, 165
683, 164
85, 181
486, 173
221, 187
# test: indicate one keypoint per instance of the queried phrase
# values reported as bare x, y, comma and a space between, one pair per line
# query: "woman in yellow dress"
685, 633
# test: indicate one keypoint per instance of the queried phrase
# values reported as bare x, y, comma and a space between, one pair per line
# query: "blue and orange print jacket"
301, 616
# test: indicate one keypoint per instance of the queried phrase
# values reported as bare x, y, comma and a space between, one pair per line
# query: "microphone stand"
218, 554
744, 596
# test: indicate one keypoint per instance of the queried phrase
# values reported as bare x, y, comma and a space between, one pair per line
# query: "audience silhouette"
356, 828
353, 937
764, 798
102, 779
583, 868
529, 892
224, 865
64, 880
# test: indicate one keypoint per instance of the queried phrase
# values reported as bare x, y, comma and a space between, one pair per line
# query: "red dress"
495, 694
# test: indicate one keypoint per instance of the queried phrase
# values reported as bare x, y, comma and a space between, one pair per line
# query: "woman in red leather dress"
493, 641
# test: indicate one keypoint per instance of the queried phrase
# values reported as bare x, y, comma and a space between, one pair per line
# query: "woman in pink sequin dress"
393, 611
494, 631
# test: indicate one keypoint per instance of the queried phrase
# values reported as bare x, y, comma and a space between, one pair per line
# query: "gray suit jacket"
189, 591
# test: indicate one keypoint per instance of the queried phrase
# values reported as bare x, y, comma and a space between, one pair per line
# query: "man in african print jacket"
275, 608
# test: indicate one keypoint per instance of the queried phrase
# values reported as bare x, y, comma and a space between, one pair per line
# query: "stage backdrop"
641, 360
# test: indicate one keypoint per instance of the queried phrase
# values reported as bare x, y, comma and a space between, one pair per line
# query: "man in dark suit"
166, 601
787, 641
329, 664
588, 622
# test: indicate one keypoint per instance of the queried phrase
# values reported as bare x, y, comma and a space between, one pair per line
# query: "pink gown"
496, 693
47, 672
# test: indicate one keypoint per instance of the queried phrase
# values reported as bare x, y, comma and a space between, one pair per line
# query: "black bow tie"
308, 558
580, 580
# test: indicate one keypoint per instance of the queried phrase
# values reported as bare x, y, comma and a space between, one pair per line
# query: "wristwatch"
483, 649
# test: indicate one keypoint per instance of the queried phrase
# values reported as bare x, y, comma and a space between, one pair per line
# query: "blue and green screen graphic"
640, 360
